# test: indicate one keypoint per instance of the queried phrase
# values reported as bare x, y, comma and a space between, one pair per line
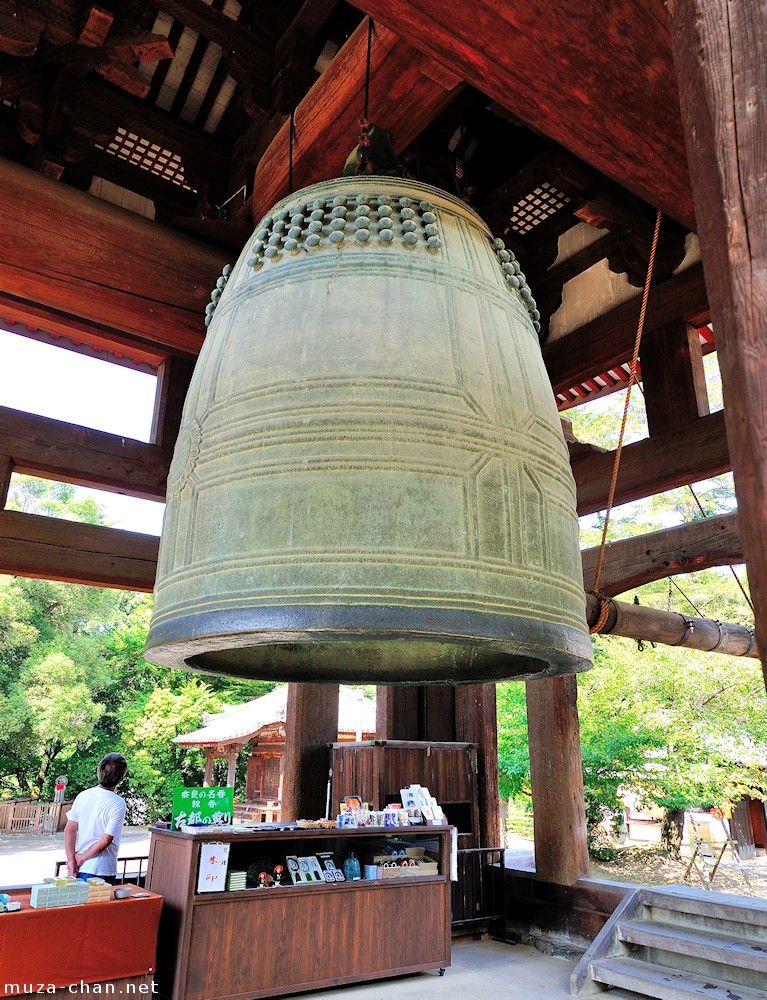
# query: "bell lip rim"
179, 641
374, 179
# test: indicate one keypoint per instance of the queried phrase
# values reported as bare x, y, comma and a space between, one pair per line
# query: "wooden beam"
18, 37
548, 287
102, 108
673, 380
94, 26
6, 470
634, 621
129, 45
556, 779
40, 446
79, 255
18, 311
54, 549
654, 465
632, 562
311, 725
173, 377
609, 340
407, 91
720, 51
605, 88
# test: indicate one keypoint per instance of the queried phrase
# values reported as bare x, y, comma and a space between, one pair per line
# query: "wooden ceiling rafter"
49, 325
407, 91
608, 341
162, 295
161, 71
629, 131
191, 70
232, 36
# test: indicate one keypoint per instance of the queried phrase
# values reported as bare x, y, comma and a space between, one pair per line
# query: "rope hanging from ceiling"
603, 602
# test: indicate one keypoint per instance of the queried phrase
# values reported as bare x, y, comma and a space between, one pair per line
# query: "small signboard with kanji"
202, 807
214, 860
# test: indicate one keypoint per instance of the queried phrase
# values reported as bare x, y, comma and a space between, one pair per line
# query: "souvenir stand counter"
94, 947
290, 920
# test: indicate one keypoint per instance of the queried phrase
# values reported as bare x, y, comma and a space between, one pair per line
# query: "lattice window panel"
537, 206
148, 156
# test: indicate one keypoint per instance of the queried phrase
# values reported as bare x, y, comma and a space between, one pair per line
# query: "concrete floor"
480, 969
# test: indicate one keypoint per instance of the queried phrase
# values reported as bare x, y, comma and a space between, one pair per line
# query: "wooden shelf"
262, 942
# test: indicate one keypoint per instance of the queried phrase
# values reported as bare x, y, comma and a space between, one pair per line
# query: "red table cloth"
95, 942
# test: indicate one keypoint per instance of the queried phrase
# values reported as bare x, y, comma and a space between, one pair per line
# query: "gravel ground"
651, 866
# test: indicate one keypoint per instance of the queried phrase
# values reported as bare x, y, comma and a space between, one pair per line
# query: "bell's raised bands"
370, 482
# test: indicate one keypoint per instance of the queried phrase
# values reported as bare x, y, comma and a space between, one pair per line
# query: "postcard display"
297, 911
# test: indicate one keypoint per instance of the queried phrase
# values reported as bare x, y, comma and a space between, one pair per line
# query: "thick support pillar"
673, 380
438, 724
208, 778
556, 776
398, 712
416, 712
311, 725
720, 55
476, 722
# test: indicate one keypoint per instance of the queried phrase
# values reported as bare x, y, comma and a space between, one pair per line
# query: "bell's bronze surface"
370, 482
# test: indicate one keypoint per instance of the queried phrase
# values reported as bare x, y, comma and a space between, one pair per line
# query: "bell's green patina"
370, 482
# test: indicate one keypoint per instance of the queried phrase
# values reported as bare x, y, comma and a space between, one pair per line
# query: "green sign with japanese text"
202, 807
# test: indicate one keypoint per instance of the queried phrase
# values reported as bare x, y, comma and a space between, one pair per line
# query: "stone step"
667, 984
698, 943
706, 903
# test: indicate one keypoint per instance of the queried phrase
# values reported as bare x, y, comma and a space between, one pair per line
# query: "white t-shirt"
98, 811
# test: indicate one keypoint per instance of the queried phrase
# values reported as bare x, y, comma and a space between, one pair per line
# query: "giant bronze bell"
370, 482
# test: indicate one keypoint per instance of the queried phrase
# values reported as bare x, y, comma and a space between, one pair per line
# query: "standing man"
95, 822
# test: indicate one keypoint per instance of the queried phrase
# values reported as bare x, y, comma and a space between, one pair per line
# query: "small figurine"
262, 880
278, 870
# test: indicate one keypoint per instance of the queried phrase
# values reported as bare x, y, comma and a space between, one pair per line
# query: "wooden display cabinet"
378, 769
284, 939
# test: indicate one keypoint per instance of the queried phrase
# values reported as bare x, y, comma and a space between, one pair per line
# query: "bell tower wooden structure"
566, 126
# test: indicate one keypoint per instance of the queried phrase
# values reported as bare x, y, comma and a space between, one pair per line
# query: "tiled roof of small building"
240, 723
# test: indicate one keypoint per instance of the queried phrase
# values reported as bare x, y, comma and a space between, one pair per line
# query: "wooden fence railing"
29, 816
478, 895
129, 869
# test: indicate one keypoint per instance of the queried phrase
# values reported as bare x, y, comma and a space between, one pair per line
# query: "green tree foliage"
74, 685
677, 727
156, 763
513, 753
41, 496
